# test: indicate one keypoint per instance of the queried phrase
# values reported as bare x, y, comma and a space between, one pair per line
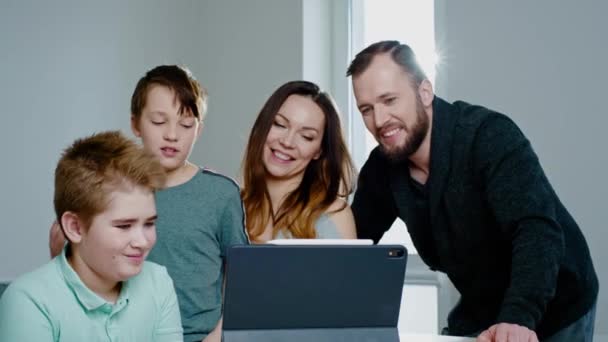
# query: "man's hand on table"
505, 332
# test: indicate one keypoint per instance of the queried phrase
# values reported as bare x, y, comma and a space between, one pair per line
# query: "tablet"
313, 292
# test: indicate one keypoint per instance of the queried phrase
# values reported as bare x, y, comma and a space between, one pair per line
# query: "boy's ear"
135, 126
72, 226
200, 128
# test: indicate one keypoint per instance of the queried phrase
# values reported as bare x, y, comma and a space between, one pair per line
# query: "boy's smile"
113, 248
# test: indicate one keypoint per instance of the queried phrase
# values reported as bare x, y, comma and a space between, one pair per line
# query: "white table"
432, 338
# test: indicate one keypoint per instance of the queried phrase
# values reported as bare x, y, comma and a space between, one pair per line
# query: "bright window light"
411, 22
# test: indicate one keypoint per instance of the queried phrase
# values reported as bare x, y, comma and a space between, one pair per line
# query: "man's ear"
73, 227
135, 126
425, 91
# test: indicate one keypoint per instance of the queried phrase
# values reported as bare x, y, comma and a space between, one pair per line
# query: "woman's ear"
72, 226
318, 154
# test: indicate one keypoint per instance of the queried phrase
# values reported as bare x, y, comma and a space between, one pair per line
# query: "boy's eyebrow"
132, 220
306, 128
184, 114
187, 116
124, 221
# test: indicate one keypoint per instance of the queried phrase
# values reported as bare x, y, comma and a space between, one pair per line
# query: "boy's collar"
85, 296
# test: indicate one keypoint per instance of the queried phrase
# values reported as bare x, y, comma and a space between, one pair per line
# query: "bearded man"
476, 202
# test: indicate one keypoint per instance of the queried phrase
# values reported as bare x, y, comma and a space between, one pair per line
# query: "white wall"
68, 68
246, 49
544, 64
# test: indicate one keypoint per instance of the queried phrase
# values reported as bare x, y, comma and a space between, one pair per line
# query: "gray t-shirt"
325, 227
197, 222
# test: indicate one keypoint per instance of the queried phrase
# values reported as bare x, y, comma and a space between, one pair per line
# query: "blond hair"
92, 167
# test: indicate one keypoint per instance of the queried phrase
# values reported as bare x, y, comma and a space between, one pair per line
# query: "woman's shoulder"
337, 206
340, 215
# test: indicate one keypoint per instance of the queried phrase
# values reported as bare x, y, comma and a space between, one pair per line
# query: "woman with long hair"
297, 171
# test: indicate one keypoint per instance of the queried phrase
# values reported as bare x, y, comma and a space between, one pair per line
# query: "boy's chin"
172, 165
130, 273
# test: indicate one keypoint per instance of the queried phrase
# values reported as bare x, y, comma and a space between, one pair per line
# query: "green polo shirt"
53, 304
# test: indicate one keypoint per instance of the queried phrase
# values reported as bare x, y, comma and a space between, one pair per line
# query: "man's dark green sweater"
494, 224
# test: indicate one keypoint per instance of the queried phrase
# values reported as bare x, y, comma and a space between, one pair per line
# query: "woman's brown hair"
325, 179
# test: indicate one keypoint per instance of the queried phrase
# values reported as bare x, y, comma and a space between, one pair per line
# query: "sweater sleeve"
373, 206
524, 205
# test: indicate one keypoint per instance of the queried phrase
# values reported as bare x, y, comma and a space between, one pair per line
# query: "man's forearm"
537, 249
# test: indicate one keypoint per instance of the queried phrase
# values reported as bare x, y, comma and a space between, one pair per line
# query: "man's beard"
415, 137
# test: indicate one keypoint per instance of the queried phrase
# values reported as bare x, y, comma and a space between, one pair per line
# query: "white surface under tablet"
321, 242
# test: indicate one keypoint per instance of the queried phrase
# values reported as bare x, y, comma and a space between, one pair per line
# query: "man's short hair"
401, 54
92, 168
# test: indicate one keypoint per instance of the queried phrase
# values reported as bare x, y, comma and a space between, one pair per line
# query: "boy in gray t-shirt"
197, 221
200, 213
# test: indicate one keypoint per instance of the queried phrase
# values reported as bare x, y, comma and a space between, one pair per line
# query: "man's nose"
381, 116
